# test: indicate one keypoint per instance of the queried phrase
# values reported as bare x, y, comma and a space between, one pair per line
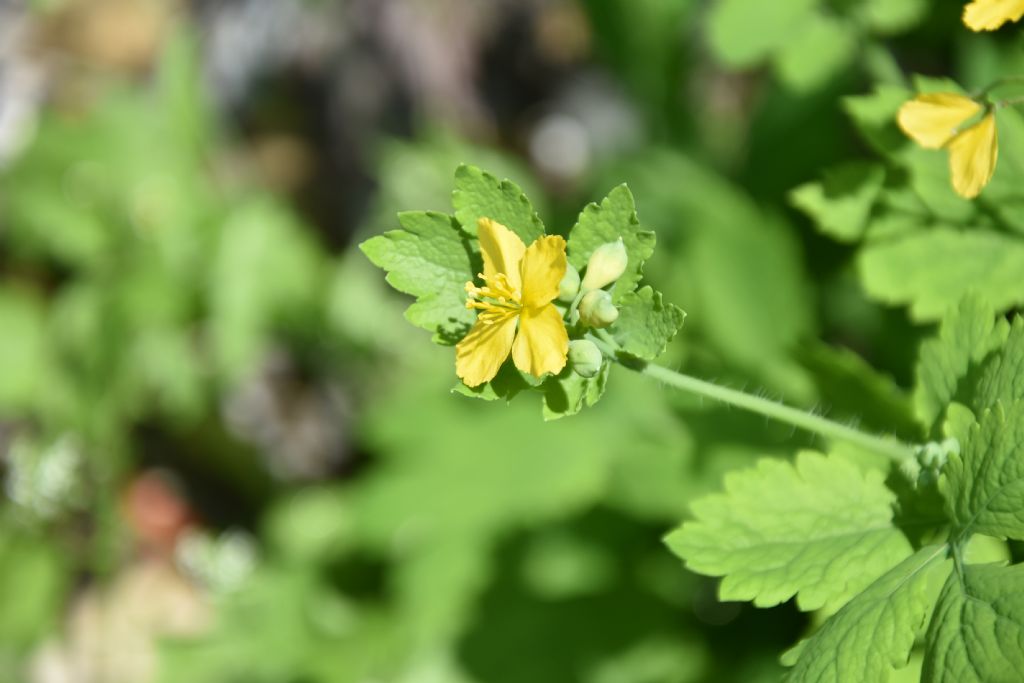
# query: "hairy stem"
777, 411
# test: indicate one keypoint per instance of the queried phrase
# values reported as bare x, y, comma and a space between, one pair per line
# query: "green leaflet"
1002, 378
840, 204
984, 485
478, 195
876, 630
820, 529
506, 385
820, 47
977, 632
967, 335
931, 270
430, 259
893, 16
599, 224
568, 393
646, 324
743, 33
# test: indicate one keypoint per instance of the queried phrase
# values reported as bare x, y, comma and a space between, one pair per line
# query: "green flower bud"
596, 309
585, 358
569, 287
606, 265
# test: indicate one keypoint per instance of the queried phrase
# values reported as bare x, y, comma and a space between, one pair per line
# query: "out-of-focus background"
226, 457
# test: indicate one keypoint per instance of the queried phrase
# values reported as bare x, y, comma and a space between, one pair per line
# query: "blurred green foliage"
151, 282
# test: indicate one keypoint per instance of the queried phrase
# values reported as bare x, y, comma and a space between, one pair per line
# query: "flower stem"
998, 83
815, 424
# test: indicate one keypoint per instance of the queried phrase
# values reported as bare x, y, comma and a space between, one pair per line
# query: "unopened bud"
597, 310
606, 265
585, 358
569, 287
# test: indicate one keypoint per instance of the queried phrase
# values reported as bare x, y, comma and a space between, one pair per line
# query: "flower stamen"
496, 300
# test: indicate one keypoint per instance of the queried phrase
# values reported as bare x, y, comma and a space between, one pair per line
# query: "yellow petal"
481, 352
542, 343
988, 15
502, 250
931, 119
972, 157
543, 267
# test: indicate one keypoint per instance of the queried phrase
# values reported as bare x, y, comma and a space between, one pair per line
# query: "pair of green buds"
593, 303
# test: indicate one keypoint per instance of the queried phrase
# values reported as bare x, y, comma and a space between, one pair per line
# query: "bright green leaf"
599, 224
745, 32
893, 16
841, 202
819, 529
977, 632
478, 195
430, 259
932, 270
1002, 378
967, 335
646, 324
876, 630
816, 51
984, 484
568, 393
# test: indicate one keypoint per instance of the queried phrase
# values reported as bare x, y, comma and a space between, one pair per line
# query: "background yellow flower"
937, 121
988, 15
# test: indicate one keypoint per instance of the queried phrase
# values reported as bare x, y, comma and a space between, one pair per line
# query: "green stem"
798, 418
999, 82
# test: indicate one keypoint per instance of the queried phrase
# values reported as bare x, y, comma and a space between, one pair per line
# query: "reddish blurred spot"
157, 511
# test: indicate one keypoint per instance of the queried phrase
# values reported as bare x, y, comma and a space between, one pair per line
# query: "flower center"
496, 300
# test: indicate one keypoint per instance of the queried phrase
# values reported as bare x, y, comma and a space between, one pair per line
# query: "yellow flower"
936, 121
520, 283
988, 15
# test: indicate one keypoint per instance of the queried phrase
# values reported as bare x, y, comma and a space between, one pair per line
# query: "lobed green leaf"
1002, 378
968, 334
615, 217
977, 632
430, 259
875, 631
840, 203
984, 484
646, 324
933, 269
478, 195
568, 393
820, 529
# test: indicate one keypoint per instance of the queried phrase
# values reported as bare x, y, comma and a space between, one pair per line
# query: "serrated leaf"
875, 631
568, 393
874, 115
478, 195
819, 529
967, 335
508, 383
745, 32
977, 632
430, 259
599, 224
984, 484
646, 324
840, 204
933, 269
818, 48
1002, 378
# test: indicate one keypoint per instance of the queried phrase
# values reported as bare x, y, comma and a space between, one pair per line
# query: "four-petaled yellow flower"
988, 15
520, 283
937, 121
